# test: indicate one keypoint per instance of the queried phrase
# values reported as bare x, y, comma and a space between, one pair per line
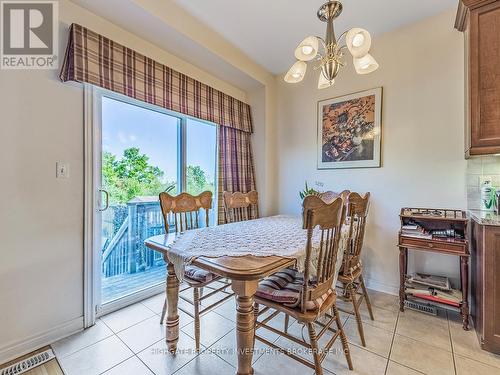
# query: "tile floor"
131, 342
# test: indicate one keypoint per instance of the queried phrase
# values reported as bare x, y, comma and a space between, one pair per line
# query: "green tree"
196, 180
131, 176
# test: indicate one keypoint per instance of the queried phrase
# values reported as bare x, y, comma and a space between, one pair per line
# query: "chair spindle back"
238, 206
329, 196
184, 210
329, 218
356, 212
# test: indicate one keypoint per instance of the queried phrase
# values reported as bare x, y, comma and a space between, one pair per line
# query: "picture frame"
350, 131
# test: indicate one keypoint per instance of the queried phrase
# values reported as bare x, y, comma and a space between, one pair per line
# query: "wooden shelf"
452, 246
441, 214
430, 219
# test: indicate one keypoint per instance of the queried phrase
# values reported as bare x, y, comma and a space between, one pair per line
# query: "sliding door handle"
106, 204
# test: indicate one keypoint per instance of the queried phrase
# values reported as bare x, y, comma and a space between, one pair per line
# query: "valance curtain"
94, 59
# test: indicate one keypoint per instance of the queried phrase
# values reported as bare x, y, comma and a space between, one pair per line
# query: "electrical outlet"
62, 170
319, 184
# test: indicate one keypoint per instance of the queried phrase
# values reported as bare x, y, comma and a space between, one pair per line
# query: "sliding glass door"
142, 150
201, 161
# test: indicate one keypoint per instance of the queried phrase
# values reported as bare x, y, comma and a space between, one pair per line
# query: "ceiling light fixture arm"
330, 56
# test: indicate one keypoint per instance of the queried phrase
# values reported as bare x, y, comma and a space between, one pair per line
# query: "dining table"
245, 253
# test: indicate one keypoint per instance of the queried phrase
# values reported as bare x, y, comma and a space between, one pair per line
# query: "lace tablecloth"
275, 235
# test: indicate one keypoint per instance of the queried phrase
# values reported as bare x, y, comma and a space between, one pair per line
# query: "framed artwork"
349, 130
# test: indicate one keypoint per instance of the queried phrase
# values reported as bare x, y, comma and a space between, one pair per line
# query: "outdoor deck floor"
121, 285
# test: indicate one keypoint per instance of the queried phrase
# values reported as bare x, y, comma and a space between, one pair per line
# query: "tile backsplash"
479, 169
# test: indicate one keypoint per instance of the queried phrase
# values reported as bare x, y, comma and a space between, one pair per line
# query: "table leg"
245, 324
403, 269
172, 325
464, 276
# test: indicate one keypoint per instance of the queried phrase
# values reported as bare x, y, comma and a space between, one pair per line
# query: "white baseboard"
381, 287
17, 348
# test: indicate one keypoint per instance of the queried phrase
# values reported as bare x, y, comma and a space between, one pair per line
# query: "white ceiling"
269, 30
137, 20
265, 30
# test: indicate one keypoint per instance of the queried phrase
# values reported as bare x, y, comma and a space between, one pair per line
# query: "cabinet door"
491, 279
484, 79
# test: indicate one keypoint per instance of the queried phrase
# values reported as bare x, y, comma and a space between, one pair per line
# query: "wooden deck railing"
125, 252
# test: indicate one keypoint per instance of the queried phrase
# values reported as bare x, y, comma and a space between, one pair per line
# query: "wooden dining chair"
350, 278
330, 196
183, 211
240, 206
308, 297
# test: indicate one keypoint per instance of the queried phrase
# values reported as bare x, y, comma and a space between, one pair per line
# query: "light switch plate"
62, 170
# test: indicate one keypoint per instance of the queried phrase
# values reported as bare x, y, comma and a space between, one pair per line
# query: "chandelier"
357, 41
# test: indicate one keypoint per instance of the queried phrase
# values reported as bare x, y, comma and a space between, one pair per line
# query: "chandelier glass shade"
329, 52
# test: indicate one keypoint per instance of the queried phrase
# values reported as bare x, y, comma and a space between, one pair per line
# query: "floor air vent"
417, 306
29, 363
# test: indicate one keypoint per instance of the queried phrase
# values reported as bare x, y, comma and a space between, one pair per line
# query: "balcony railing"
125, 251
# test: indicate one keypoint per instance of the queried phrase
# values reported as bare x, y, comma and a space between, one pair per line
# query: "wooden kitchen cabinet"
480, 21
485, 283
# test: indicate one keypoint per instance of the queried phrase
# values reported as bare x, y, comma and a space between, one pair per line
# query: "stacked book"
433, 288
415, 230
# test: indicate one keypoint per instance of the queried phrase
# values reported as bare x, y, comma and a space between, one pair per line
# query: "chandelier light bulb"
365, 65
296, 72
307, 49
358, 42
329, 52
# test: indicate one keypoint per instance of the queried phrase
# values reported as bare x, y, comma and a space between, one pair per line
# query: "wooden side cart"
432, 220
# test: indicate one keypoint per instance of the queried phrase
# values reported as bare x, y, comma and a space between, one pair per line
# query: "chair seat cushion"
198, 274
285, 287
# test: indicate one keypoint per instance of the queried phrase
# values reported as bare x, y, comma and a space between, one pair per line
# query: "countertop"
484, 217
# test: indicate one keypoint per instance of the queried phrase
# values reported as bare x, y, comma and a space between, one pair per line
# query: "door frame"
89, 287
92, 200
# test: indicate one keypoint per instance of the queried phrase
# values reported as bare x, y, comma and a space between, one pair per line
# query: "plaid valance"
95, 59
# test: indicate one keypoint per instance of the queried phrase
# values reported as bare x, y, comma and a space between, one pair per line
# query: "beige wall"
41, 220
421, 72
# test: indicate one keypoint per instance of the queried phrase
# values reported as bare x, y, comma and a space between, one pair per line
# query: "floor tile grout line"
123, 342
202, 350
136, 354
451, 343
423, 342
83, 347
468, 356
232, 331
94, 343
410, 368
147, 307
378, 327
476, 361
132, 325
145, 364
392, 343
359, 346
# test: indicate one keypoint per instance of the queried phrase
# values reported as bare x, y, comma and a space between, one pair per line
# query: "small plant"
308, 191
